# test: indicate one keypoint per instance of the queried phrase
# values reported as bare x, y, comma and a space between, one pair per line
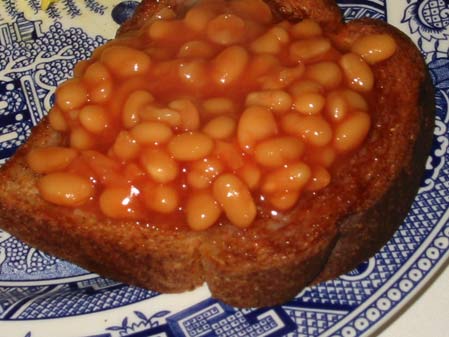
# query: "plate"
43, 296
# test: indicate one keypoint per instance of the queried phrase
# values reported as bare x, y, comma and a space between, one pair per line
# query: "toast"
326, 234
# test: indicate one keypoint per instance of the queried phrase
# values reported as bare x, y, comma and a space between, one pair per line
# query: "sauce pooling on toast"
218, 113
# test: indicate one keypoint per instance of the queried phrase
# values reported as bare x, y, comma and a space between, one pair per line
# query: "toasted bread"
324, 235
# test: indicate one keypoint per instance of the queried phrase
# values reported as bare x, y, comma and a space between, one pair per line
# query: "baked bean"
202, 210
133, 106
81, 139
190, 146
50, 159
278, 151
165, 115
202, 172
70, 95
219, 105
65, 189
374, 48
125, 146
271, 42
262, 64
194, 73
314, 130
320, 179
80, 67
229, 65
159, 165
306, 29
358, 73
256, 10
93, 118
221, 127
305, 86
229, 154
166, 30
307, 50
351, 133
355, 100
198, 17
100, 92
196, 49
292, 177
309, 103
284, 200
324, 155
277, 100
96, 73
120, 203
282, 77
326, 73
57, 120
256, 123
251, 175
226, 29
165, 14
147, 133
106, 170
161, 198
126, 61
235, 199
336, 106
190, 117
99, 82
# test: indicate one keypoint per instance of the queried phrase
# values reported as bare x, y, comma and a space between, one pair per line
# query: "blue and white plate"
42, 296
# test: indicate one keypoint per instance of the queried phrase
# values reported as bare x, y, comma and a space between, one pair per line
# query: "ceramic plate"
42, 296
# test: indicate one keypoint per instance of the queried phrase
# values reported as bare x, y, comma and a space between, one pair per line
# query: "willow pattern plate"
42, 296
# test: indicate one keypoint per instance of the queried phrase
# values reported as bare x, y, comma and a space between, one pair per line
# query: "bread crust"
269, 263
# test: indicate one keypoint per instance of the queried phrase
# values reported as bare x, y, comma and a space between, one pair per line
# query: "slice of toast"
325, 235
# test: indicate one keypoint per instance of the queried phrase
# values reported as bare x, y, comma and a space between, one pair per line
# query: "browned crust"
323, 237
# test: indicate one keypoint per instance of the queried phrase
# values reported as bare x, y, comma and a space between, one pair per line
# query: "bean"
308, 50
147, 133
190, 146
65, 189
94, 118
278, 151
292, 177
50, 159
159, 165
202, 172
125, 146
309, 103
314, 130
357, 72
120, 203
226, 29
277, 100
255, 124
133, 106
351, 133
190, 117
70, 95
202, 210
375, 48
125, 61
162, 199
221, 127
229, 65
235, 199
